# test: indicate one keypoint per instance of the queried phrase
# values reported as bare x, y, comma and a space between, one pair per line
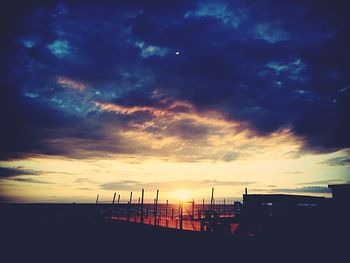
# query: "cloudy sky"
98, 98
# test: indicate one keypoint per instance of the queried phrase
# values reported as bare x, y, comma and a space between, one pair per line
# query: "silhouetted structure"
276, 204
340, 193
279, 214
272, 219
340, 203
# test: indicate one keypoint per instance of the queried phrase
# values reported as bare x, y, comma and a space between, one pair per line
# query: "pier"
202, 215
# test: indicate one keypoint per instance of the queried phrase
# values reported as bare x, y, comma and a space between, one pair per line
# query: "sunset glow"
182, 97
182, 194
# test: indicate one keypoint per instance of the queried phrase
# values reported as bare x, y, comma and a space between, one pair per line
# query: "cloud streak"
337, 161
130, 185
8, 172
31, 180
71, 84
326, 182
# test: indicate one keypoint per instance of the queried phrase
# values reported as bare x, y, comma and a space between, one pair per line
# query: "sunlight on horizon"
51, 179
182, 194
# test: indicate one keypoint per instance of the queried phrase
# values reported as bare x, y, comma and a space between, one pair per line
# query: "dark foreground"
33, 234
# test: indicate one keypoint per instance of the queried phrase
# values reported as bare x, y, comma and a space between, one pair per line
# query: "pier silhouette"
263, 226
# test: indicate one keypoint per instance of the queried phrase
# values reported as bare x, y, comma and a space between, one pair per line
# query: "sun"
182, 194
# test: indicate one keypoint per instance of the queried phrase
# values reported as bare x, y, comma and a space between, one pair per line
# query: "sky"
99, 97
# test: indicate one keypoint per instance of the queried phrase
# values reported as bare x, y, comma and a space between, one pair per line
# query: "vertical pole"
156, 208
138, 209
172, 214
130, 201
112, 210
198, 212
212, 199
142, 194
166, 214
246, 191
224, 206
193, 208
128, 213
118, 205
181, 214
96, 204
129, 206
152, 213
202, 215
113, 198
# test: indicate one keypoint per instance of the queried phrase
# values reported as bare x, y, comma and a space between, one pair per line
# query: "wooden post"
112, 209
193, 208
181, 214
199, 213
156, 208
212, 199
172, 214
224, 206
113, 198
166, 214
129, 206
142, 194
130, 198
137, 209
118, 205
97, 199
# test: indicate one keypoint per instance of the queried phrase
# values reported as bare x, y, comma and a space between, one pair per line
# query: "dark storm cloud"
269, 81
265, 64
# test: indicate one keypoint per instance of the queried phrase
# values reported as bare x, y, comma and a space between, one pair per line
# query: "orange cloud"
181, 132
71, 84
129, 110
174, 111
